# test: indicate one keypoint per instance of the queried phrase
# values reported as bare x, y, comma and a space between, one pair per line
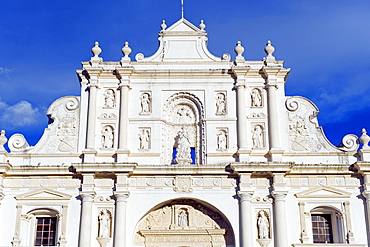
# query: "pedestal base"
103, 241
264, 242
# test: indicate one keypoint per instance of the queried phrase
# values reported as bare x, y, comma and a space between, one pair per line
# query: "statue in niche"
107, 137
144, 137
145, 103
263, 226
183, 147
256, 98
220, 103
221, 140
104, 224
257, 136
183, 219
109, 98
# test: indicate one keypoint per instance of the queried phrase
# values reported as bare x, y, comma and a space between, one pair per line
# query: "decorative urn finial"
269, 49
96, 50
3, 140
202, 26
126, 50
239, 49
365, 139
163, 25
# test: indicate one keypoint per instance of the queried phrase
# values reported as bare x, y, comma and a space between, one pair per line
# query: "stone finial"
163, 25
239, 49
202, 26
126, 50
269, 49
3, 140
96, 50
365, 139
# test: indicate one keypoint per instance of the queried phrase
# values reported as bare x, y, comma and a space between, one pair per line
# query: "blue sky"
326, 44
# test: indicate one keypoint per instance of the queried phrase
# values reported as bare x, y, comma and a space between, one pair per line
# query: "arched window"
45, 225
327, 225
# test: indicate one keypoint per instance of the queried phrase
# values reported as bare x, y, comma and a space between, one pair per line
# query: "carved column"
240, 73
120, 220
123, 114
86, 219
279, 193
246, 227
275, 78
273, 116
91, 127
281, 237
124, 77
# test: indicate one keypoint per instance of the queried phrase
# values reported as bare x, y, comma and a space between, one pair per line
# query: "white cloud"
5, 71
18, 115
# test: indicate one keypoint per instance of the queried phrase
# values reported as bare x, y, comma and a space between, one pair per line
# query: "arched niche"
183, 112
184, 222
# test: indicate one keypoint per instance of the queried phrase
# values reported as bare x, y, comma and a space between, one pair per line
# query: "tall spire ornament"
182, 9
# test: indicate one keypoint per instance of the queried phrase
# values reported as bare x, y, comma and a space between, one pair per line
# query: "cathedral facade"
184, 149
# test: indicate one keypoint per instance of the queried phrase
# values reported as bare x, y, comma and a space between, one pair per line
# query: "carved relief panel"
145, 103
183, 223
222, 139
304, 133
107, 136
144, 139
256, 97
109, 97
258, 135
220, 103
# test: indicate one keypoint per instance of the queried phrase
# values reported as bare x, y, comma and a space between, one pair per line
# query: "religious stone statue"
257, 137
183, 148
145, 103
104, 224
220, 103
183, 219
263, 226
256, 98
109, 98
184, 115
107, 137
221, 140
144, 138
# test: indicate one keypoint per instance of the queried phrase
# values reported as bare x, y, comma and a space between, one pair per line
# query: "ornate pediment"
43, 194
323, 192
181, 41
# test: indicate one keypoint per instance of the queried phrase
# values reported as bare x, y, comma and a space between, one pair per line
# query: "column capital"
245, 195
279, 195
87, 196
121, 196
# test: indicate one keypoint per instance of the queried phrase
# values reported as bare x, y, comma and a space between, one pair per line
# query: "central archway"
184, 223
